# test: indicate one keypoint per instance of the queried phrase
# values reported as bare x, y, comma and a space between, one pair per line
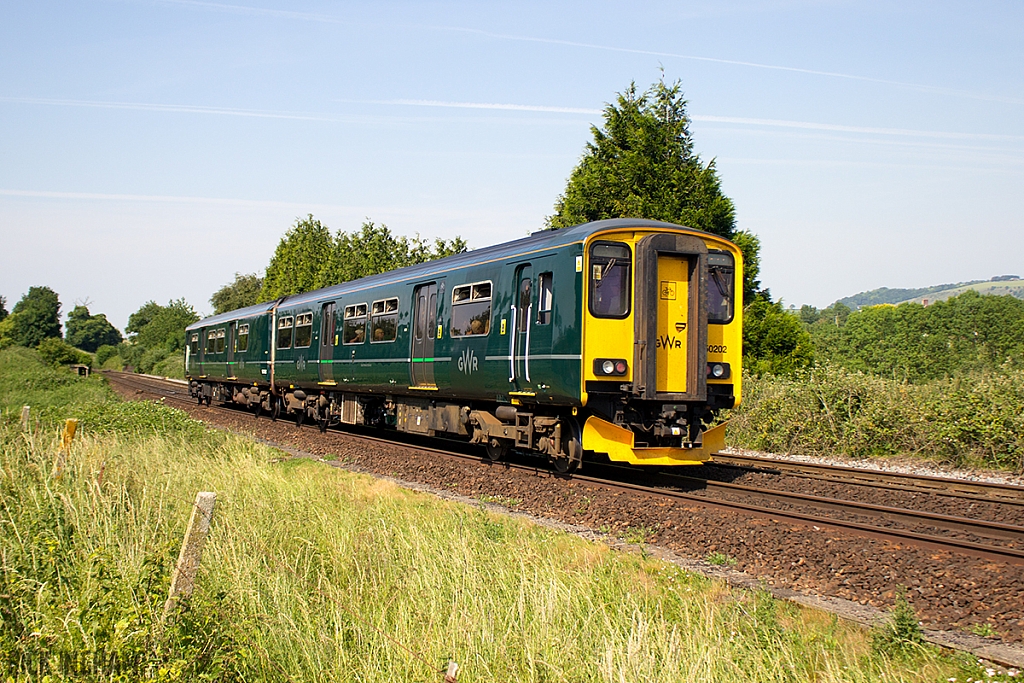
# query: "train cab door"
423, 334
671, 318
523, 306
328, 337
229, 346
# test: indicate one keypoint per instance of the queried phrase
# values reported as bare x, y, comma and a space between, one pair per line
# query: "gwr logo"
667, 342
467, 362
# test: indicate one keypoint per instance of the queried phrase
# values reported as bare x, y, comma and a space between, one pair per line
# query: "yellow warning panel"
673, 309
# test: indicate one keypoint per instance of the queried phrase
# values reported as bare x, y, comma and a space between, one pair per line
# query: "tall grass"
973, 420
315, 574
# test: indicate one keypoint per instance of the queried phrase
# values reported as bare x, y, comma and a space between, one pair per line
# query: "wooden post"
452, 673
184, 578
24, 417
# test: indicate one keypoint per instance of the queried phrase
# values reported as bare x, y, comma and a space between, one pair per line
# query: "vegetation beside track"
975, 420
313, 573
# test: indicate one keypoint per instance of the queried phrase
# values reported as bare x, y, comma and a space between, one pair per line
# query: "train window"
610, 279
545, 299
471, 309
242, 341
721, 280
525, 301
303, 330
194, 343
354, 329
384, 321
284, 332
220, 341
328, 329
211, 341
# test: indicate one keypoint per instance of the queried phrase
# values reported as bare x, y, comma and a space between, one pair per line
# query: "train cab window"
471, 309
545, 299
384, 321
220, 341
610, 279
242, 340
193, 343
354, 330
284, 332
721, 286
303, 330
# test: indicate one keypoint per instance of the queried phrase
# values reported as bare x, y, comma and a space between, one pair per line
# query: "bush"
829, 410
56, 351
105, 353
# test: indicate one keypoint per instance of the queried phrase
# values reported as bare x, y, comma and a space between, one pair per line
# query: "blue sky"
149, 150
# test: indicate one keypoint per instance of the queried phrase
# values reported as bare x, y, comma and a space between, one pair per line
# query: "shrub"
56, 351
830, 409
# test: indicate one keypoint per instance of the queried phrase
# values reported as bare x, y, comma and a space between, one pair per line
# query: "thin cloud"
478, 105
327, 19
735, 120
176, 108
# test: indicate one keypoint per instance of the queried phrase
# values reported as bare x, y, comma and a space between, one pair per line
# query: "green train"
618, 337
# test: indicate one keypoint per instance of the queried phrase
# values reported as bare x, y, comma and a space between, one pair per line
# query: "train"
618, 339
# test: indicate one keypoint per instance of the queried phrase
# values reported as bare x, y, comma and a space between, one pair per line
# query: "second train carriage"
622, 337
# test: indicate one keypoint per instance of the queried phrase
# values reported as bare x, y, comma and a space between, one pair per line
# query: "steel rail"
980, 527
946, 543
946, 486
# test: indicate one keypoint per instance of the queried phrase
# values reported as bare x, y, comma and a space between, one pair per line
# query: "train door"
673, 308
523, 307
229, 345
671, 318
424, 320
327, 340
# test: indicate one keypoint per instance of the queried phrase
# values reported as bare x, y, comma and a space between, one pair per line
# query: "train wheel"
300, 417
275, 409
257, 409
322, 424
208, 399
199, 399
572, 456
496, 450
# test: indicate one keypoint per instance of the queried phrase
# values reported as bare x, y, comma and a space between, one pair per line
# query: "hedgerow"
971, 420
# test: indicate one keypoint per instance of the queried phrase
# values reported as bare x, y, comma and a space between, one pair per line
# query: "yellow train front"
662, 341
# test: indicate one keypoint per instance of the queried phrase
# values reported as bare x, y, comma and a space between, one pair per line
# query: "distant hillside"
1002, 284
1013, 287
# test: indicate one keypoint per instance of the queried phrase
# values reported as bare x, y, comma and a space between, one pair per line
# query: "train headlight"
718, 371
610, 367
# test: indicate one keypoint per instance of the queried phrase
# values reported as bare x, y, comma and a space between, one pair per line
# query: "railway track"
981, 538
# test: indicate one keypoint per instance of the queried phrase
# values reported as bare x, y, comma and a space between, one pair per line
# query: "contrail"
322, 18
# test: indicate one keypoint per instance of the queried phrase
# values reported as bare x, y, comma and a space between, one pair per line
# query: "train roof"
538, 241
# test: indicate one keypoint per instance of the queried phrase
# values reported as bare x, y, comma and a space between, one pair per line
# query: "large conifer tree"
641, 164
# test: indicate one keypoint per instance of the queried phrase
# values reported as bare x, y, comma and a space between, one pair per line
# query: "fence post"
24, 417
183, 580
452, 673
70, 427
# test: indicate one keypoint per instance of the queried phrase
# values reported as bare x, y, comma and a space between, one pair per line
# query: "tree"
642, 165
35, 318
774, 341
90, 332
244, 291
301, 261
154, 326
309, 257
3, 308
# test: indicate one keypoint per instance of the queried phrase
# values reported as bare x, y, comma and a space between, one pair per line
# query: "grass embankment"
977, 420
312, 573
